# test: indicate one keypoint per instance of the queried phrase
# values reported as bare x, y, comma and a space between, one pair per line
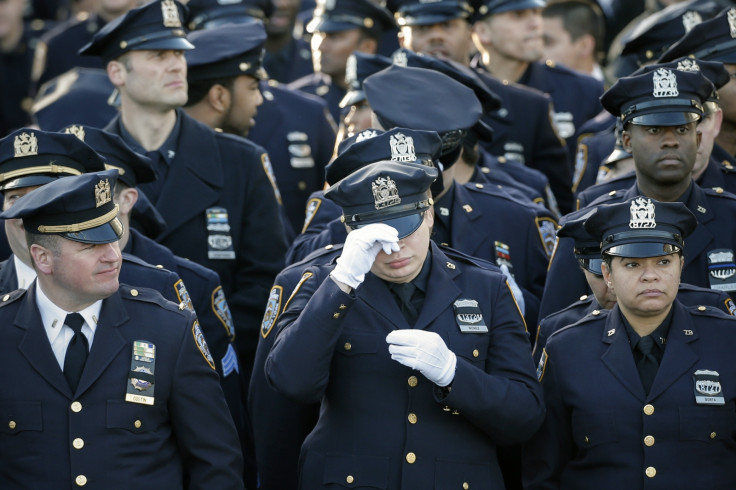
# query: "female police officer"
415, 393
641, 396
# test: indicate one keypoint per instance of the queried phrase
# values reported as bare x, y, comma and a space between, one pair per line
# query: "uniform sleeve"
565, 281
320, 232
505, 399
200, 419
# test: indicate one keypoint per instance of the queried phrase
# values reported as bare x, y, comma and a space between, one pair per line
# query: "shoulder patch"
730, 306
311, 211
547, 228
222, 311
202, 344
542, 366
581, 163
183, 295
273, 308
266, 162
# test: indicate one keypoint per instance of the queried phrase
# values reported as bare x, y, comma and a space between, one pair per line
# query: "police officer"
642, 395
338, 28
355, 109
211, 188
659, 110
288, 55
337, 322
125, 378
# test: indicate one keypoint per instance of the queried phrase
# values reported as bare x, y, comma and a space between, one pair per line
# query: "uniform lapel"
702, 236
618, 357
464, 231
376, 294
441, 290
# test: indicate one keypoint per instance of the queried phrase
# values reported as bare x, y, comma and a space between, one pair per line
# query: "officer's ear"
43, 259
219, 98
626, 140
126, 198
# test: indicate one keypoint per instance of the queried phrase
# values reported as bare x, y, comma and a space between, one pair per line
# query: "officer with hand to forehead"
421, 362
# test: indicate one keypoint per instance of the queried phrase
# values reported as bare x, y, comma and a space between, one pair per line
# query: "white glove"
515, 289
424, 351
360, 250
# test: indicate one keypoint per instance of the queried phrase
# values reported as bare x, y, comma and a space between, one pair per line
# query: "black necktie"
160, 168
404, 292
648, 364
76, 351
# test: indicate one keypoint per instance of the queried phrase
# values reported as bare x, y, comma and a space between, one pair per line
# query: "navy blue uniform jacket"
186, 439
602, 431
369, 401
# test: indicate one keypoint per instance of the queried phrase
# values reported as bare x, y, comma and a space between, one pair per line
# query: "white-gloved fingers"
360, 250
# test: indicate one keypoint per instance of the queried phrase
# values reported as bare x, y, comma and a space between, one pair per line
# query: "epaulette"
134, 259
151, 296
326, 251
709, 311
593, 316
488, 190
11, 297
719, 192
463, 258
584, 300
612, 196
727, 167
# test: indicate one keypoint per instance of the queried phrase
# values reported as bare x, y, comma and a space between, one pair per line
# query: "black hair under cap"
228, 51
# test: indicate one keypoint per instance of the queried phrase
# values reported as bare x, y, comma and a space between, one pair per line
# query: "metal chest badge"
141, 385
468, 316
708, 388
219, 241
722, 269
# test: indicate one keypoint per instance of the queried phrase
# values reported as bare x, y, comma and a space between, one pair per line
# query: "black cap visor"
405, 225
665, 117
642, 249
106, 233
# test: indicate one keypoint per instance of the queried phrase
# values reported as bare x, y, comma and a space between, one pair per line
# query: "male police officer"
114, 382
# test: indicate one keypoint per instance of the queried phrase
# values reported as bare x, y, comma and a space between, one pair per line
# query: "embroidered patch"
202, 344
273, 307
542, 366
183, 295
222, 311
311, 211
547, 228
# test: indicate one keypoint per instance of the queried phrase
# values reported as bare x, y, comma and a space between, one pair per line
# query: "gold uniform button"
137, 424
651, 472
6, 297
12, 424
596, 312
81, 480
412, 418
476, 353
702, 308
134, 292
350, 479
159, 266
412, 381
342, 307
336, 315
649, 441
648, 409
78, 443
479, 186
76, 407
302, 185
712, 435
411, 458
348, 346
465, 485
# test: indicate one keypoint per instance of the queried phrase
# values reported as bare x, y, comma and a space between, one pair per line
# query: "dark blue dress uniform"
292, 62
446, 437
154, 433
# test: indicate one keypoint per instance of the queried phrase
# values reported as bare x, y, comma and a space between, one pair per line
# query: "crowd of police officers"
419, 243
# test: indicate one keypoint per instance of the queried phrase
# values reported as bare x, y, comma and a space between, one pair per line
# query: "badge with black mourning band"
219, 241
468, 316
140, 386
708, 388
722, 270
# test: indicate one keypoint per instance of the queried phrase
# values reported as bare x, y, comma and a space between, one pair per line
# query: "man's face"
558, 45
11, 16
154, 79
14, 227
405, 265
727, 95
330, 51
709, 127
246, 97
448, 40
662, 154
515, 35
283, 17
358, 118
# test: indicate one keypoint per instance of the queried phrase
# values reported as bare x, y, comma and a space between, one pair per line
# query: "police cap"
133, 168
207, 14
373, 145
641, 227
658, 96
359, 67
712, 70
343, 15
385, 192
79, 208
490, 7
31, 157
710, 40
155, 25
618, 153
228, 51
428, 12
586, 248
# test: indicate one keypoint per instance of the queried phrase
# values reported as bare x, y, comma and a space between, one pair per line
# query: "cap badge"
732, 21
170, 14
642, 214
102, 193
365, 135
690, 19
385, 193
76, 130
688, 64
25, 145
665, 83
399, 59
402, 148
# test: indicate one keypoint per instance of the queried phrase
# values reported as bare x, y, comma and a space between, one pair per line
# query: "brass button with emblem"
702, 308
412, 381
479, 186
12, 425
648, 409
137, 424
712, 435
6, 297
465, 485
335, 315
78, 443
412, 418
134, 292
342, 307
76, 407
587, 440
350, 479
347, 346
651, 472
649, 441
476, 353
80, 480
411, 458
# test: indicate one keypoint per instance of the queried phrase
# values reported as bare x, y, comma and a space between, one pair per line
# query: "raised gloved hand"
360, 250
515, 289
424, 351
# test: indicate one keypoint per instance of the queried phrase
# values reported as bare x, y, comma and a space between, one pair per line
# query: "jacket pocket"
708, 423
356, 471
17, 417
134, 417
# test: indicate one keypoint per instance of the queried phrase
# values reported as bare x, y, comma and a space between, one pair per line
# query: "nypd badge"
272, 310
468, 316
665, 83
722, 269
268, 168
141, 380
402, 148
219, 241
708, 388
202, 344
642, 213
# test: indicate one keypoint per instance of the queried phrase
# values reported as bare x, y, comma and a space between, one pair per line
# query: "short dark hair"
47, 241
198, 89
579, 17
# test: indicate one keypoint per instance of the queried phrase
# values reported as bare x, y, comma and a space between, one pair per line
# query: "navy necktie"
76, 351
404, 292
648, 364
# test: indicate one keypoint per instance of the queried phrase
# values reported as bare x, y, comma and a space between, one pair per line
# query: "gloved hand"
515, 289
424, 351
360, 250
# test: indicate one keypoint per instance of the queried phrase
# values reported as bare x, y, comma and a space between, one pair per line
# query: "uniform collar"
53, 317
24, 274
659, 335
167, 150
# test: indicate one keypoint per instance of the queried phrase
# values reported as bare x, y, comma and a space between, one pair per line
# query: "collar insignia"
690, 19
